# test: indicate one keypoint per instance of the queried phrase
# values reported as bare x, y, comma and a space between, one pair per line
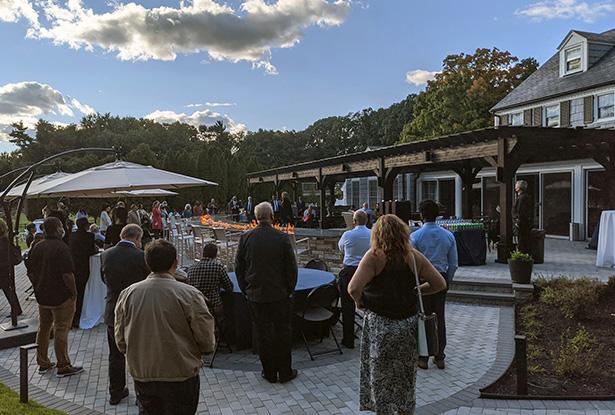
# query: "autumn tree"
460, 97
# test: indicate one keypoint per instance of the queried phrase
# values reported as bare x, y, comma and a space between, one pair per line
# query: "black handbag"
427, 324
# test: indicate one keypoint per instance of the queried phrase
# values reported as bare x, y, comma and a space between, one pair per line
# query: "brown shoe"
423, 364
439, 363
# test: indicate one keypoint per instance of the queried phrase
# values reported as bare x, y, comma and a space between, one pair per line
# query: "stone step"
494, 286
480, 297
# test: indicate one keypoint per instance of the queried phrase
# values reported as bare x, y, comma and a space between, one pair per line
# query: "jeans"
60, 318
272, 324
435, 303
117, 366
348, 305
168, 398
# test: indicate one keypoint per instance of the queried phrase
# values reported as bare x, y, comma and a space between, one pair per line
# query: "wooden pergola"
504, 148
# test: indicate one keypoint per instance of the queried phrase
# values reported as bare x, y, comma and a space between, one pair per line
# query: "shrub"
572, 297
611, 283
576, 354
520, 256
530, 321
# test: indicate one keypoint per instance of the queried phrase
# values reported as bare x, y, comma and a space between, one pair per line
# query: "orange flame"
211, 222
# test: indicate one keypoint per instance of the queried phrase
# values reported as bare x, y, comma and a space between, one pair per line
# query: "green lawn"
9, 405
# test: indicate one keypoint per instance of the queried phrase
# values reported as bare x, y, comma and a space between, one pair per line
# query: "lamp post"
29, 172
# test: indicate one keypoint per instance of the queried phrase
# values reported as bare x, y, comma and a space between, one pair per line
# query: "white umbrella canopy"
36, 184
115, 177
133, 193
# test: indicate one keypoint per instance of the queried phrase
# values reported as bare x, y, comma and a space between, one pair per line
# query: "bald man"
266, 270
353, 245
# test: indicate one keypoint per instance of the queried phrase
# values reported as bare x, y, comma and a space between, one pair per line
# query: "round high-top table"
237, 314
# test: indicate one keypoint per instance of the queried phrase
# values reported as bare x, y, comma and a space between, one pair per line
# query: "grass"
10, 405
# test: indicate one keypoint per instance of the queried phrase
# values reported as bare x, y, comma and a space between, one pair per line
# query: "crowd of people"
160, 321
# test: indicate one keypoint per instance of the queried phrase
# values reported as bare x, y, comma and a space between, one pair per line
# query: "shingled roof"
546, 83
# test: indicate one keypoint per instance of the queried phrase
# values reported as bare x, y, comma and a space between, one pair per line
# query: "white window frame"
546, 116
566, 60
519, 116
597, 100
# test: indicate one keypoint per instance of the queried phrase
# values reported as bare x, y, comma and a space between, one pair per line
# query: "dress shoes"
293, 374
114, 400
422, 364
267, 378
439, 363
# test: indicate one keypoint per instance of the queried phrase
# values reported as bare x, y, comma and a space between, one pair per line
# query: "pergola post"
323, 188
468, 176
506, 170
386, 178
332, 198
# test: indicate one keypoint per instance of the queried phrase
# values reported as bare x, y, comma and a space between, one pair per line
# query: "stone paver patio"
479, 350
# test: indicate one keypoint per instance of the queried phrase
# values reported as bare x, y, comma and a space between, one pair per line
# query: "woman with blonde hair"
8, 261
385, 286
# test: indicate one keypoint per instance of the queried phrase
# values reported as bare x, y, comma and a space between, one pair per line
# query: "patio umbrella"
114, 177
36, 184
132, 193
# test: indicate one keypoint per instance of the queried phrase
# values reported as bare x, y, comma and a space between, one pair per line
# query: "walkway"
479, 350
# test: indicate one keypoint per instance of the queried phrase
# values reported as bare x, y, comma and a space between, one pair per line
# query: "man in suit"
523, 216
266, 270
277, 207
82, 245
122, 266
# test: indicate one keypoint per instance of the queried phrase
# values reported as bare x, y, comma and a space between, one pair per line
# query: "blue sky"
339, 56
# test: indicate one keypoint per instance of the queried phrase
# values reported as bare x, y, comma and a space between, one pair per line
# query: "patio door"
557, 203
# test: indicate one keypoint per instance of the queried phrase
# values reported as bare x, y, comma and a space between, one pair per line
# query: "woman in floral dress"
385, 286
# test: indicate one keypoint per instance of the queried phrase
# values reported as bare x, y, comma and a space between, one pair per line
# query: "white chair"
305, 249
348, 219
224, 240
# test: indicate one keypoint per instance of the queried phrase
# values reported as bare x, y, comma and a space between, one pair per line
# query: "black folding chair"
220, 337
317, 263
319, 308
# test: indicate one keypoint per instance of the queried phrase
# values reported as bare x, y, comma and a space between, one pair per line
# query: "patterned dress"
388, 364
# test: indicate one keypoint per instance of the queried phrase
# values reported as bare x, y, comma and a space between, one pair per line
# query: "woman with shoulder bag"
7, 284
385, 285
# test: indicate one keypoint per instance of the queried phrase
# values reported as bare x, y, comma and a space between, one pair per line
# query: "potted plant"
520, 266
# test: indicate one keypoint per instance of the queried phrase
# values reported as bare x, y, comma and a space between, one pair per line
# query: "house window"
516, 119
606, 106
552, 116
573, 60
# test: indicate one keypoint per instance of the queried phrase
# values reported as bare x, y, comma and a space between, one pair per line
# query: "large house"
574, 88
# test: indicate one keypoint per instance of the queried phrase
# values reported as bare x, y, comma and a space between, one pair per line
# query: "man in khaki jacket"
164, 327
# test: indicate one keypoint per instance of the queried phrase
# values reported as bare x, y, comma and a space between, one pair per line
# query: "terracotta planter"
521, 271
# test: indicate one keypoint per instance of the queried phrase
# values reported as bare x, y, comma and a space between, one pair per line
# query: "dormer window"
573, 61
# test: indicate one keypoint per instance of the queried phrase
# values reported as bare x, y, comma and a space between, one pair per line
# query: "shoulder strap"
418, 283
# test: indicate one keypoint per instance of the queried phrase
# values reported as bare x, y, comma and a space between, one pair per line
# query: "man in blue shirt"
440, 247
353, 244
371, 216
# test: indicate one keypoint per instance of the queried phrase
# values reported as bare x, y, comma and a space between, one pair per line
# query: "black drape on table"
471, 247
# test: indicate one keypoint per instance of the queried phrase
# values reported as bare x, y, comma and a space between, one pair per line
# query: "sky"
275, 64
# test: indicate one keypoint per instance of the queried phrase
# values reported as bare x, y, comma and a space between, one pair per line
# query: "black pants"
524, 243
117, 366
435, 303
273, 336
348, 305
168, 398
81, 281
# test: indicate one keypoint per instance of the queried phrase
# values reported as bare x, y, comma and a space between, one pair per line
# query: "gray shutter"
588, 109
503, 120
537, 117
564, 114
527, 118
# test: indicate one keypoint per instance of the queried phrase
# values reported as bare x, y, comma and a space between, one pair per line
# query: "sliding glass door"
557, 203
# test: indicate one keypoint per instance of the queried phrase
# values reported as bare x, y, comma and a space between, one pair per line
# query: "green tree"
460, 97
19, 135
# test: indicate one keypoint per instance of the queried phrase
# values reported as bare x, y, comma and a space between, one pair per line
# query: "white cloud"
567, 9
212, 104
198, 118
13, 10
29, 101
420, 76
135, 32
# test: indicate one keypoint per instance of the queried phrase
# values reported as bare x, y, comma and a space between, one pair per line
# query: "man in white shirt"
353, 244
105, 219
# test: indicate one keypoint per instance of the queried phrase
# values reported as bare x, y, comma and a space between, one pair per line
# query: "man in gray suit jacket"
266, 270
122, 266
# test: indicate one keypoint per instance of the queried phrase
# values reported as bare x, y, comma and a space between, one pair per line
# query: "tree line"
459, 98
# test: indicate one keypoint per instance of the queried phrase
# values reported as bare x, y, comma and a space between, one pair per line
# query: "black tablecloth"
471, 247
237, 315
